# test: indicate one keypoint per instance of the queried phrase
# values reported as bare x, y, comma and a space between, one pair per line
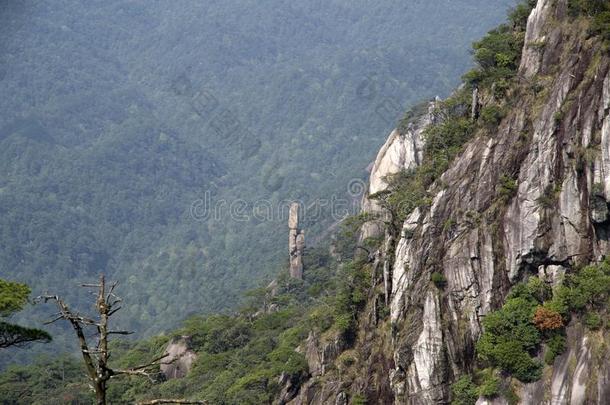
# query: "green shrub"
510, 336
500, 89
538, 289
444, 141
548, 198
597, 189
489, 386
347, 358
593, 321
556, 345
587, 7
492, 115
589, 288
439, 280
511, 357
498, 54
601, 26
464, 391
518, 16
558, 117
351, 297
358, 399
560, 301
506, 188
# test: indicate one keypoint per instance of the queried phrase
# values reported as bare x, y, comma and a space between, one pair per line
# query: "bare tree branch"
96, 357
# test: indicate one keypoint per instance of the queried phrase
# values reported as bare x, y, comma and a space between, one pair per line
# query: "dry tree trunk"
96, 357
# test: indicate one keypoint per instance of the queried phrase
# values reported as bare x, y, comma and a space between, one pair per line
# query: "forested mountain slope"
118, 116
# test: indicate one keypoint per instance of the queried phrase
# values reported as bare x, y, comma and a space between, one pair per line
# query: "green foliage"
489, 383
218, 333
601, 26
444, 141
13, 297
412, 115
498, 53
593, 321
19, 336
558, 117
589, 288
510, 336
492, 115
241, 356
439, 280
497, 56
46, 381
518, 16
555, 346
507, 187
587, 7
538, 289
587, 292
548, 198
464, 391
351, 297
345, 240
359, 399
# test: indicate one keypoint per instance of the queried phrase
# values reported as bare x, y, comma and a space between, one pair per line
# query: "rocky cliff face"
554, 145
180, 358
402, 151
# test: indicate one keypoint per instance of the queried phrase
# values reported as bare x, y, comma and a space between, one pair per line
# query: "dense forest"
118, 117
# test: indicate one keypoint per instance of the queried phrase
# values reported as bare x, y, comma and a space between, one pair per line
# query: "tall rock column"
296, 243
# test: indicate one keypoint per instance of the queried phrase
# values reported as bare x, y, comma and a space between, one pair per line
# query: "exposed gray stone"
180, 358
296, 243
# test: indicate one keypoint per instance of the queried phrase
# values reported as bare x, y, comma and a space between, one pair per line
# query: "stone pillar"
296, 243
474, 114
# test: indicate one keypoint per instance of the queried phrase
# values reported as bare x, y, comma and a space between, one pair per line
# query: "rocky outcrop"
535, 37
296, 243
402, 151
180, 358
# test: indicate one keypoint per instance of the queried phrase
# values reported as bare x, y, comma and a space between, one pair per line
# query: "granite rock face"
554, 146
180, 358
402, 151
554, 222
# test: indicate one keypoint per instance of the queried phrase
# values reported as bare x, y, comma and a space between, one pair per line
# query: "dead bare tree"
96, 356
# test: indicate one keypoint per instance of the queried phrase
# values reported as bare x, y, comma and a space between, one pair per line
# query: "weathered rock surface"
296, 243
400, 152
180, 358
